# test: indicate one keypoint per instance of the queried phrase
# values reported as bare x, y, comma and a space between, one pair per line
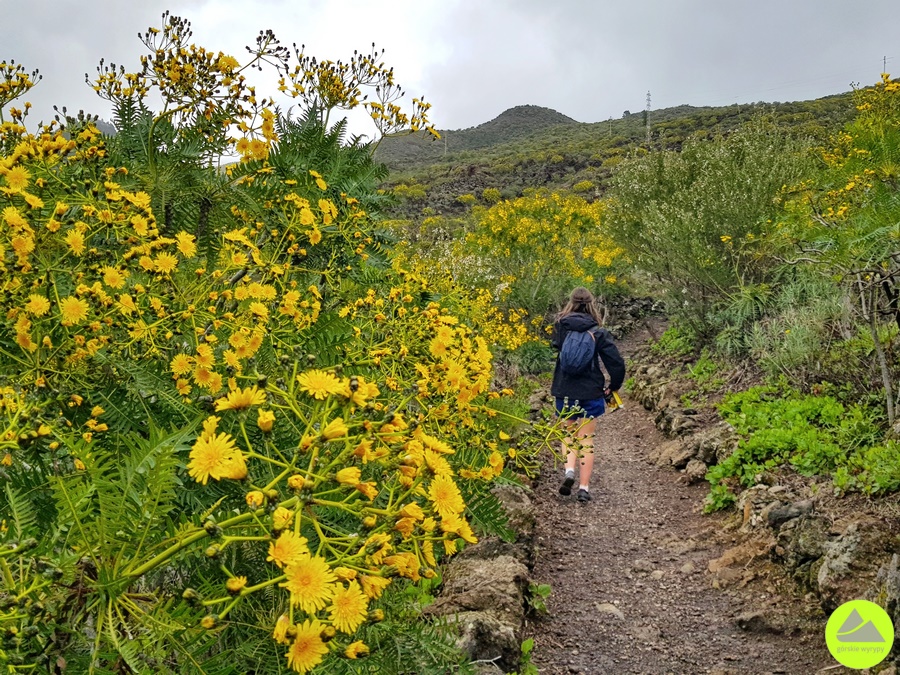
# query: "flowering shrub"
539, 246
223, 411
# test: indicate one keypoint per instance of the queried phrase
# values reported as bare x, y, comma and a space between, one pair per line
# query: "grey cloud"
65, 39
589, 59
593, 59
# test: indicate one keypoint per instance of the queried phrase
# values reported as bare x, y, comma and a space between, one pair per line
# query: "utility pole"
647, 118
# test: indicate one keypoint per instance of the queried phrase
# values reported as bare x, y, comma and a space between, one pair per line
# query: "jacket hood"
577, 321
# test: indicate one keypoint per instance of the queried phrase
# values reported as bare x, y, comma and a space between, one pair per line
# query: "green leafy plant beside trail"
813, 434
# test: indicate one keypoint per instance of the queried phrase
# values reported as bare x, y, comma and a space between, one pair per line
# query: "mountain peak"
546, 116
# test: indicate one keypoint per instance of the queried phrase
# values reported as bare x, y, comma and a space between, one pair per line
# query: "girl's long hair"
581, 300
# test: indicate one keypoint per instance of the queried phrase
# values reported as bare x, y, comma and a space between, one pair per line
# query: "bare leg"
585, 437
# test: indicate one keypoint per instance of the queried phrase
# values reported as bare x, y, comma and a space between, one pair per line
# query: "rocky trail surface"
643, 582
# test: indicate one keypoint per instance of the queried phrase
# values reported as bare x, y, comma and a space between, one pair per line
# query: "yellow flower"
356, 649
280, 632
235, 584
37, 305
438, 465
238, 399
254, 499
14, 218
75, 240
281, 518
205, 357
428, 553
165, 263
310, 583
180, 364
412, 510
315, 236
373, 586
407, 564
307, 649
186, 245
345, 573
348, 476
17, 179
368, 489
114, 278
126, 304
496, 462
364, 451
288, 549
264, 420
73, 310
348, 608
33, 201
215, 457
405, 526
319, 383
335, 429
259, 309
296, 482
445, 496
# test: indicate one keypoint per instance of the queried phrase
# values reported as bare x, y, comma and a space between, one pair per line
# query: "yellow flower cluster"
349, 423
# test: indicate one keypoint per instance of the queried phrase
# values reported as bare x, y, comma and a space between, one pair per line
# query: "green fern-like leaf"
21, 511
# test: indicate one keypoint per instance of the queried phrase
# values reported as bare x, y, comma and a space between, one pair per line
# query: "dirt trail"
631, 590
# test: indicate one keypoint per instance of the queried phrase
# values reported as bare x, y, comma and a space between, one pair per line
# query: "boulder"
851, 562
675, 453
485, 599
800, 546
776, 516
695, 471
752, 502
519, 509
488, 637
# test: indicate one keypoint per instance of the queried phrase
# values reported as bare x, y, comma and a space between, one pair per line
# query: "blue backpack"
577, 351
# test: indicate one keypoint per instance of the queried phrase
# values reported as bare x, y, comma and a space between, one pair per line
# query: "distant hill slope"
529, 146
508, 126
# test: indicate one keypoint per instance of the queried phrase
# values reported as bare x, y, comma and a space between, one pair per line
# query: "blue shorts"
575, 409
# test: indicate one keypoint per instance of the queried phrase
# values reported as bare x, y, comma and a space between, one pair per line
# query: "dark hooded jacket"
590, 384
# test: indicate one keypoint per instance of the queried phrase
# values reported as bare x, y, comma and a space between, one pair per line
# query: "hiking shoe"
584, 495
566, 488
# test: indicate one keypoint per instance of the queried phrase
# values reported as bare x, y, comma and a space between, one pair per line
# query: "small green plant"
537, 595
526, 667
676, 341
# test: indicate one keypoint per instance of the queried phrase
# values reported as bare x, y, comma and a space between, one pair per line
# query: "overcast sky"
472, 59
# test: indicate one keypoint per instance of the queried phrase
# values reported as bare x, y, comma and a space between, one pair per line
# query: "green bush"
691, 217
814, 434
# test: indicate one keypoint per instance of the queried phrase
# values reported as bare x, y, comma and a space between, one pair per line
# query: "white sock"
570, 473
584, 487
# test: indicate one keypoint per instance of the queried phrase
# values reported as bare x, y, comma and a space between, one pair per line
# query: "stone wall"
485, 589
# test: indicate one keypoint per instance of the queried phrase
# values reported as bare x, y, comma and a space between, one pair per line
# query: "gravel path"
631, 590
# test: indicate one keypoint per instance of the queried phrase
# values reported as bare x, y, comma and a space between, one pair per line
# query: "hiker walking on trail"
579, 386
